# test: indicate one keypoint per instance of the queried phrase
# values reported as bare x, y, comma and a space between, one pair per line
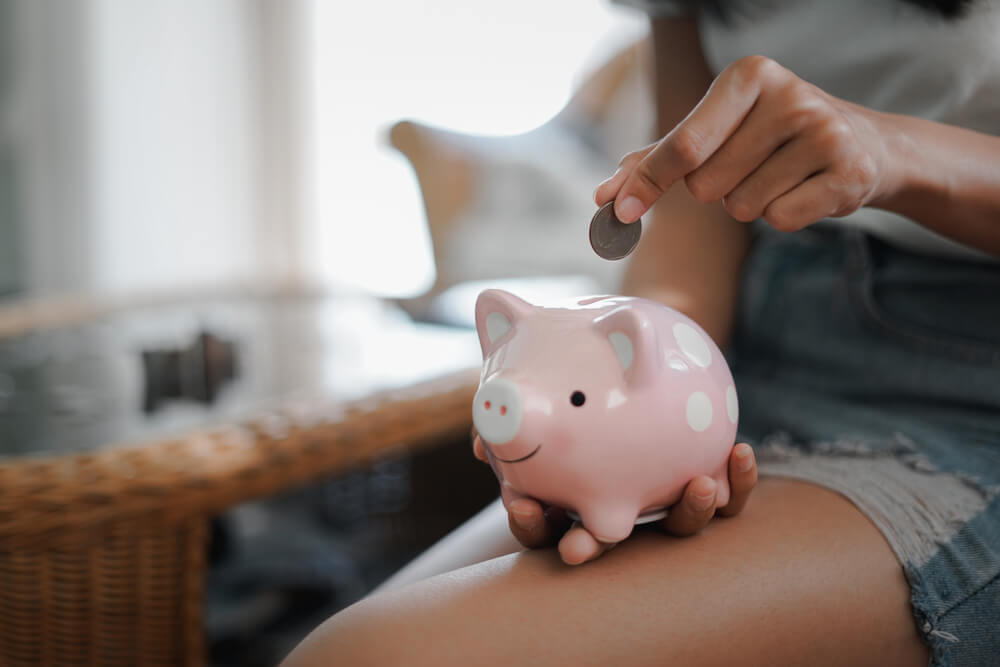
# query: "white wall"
170, 144
173, 143
159, 142
483, 68
48, 119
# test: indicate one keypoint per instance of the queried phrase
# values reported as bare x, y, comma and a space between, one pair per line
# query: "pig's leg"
609, 523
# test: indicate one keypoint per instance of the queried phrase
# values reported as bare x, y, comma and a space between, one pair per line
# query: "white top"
886, 55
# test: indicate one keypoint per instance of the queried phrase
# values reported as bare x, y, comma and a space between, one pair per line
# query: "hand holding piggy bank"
607, 407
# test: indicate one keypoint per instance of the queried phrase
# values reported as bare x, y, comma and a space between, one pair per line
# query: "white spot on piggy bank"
658, 420
699, 411
692, 344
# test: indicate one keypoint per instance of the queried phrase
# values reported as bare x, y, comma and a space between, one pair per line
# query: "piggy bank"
607, 406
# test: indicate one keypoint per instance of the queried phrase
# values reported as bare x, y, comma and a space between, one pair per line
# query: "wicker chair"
103, 555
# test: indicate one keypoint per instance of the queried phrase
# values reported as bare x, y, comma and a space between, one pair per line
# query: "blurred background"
213, 210
157, 145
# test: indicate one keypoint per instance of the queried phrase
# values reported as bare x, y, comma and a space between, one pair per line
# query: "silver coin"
610, 237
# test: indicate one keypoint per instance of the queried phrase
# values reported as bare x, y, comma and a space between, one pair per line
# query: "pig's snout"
497, 411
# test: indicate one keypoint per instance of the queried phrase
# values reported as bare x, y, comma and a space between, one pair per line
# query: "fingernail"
523, 515
744, 460
629, 209
702, 503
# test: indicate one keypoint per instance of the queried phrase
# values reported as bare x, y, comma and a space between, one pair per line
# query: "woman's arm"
948, 179
767, 144
691, 253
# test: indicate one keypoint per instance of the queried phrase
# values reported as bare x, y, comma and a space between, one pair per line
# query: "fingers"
757, 142
786, 169
531, 524
527, 523
742, 479
608, 190
695, 509
478, 450
534, 526
824, 195
695, 139
766, 143
801, 206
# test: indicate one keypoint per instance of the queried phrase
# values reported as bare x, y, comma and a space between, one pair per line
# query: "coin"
610, 237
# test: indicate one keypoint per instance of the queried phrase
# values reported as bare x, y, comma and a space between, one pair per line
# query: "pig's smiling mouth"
523, 458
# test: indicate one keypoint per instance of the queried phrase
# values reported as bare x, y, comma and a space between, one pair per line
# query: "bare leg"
482, 537
800, 577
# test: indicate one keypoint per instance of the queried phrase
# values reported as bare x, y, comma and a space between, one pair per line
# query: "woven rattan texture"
102, 556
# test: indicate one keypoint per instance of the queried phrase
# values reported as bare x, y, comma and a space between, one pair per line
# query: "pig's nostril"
503, 410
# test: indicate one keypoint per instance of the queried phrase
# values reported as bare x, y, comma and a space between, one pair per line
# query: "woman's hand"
536, 526
768, 145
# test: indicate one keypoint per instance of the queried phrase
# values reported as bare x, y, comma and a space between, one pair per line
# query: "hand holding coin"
610, 237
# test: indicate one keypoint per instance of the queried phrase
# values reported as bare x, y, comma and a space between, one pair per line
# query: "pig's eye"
577, 398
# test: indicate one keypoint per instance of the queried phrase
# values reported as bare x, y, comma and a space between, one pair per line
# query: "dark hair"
947, 9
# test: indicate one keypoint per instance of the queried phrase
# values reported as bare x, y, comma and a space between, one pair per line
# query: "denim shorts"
875, 372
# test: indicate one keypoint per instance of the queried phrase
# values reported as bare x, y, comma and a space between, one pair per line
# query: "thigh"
801, 577
484, 536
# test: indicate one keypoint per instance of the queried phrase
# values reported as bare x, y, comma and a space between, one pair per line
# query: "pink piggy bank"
607, 407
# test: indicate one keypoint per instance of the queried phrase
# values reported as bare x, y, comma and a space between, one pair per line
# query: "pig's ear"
633, 338
497, 312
